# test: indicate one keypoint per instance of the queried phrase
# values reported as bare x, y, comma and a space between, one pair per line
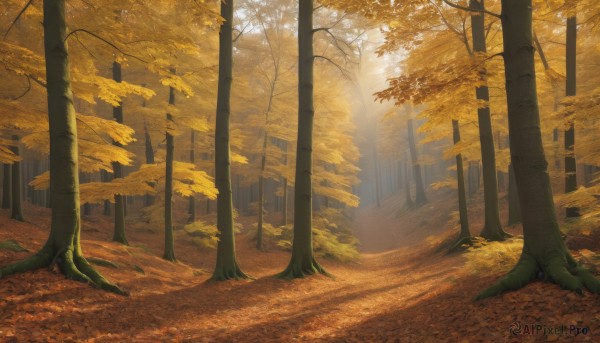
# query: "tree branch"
105, 41
451, 4
342, 70
17, 17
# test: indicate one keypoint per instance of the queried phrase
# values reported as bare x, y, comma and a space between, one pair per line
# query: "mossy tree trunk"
303, 262
63, 245
119, 230
226, 267
16, 208
492, 229
571, 90
544, 251
420, 197
169, 254
192, 198
6, 186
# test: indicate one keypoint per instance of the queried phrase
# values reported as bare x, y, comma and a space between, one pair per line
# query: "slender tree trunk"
460, 178
149, 152
544, 251
571, 90
16, 198
420, 197
226, 267
192, 198
284, 205
261, 192
119, 230
106, 177
492, 229
409, 201
6, 186
63, 245
514, 209
169, 254
303, 261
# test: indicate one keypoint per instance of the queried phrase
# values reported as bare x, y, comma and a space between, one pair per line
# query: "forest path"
407, 294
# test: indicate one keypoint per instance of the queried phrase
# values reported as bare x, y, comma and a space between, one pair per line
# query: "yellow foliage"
493, 257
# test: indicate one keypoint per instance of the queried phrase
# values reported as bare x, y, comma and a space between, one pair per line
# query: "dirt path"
406, 295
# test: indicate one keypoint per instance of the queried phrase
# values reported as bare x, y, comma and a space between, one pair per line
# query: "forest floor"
400, 291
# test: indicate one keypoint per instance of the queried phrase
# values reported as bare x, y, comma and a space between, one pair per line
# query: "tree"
169, 254
303, 261
544, 251
492, 229
420, 198
63, 246
226, 266
119, 231
571, 90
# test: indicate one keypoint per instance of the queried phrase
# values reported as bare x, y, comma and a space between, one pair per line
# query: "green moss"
102, 262
12, 245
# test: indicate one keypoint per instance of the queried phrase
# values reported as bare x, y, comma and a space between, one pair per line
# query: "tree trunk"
149, 152
226, 267
514, 209
106, 177
169, 254
192, 198
544, 251
420, 197
409, 201
87, 207
303, 261
63, 245
571, 90
16, 198
119, 230
462, 195
261, 192
492, 229
284, 205
6, 186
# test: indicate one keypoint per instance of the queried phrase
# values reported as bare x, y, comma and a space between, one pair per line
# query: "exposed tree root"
497, 235
222, 273
458, 244
120, 238
170, 256
299, 268
560, 268
72, 264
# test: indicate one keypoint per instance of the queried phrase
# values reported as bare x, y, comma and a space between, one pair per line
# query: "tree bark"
492, 229
420, 197
119, 230
169, 254
571, 90
303, 261
226, 266
63, 245
544, 251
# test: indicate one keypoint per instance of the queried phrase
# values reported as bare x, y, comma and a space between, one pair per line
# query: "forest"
300, 170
